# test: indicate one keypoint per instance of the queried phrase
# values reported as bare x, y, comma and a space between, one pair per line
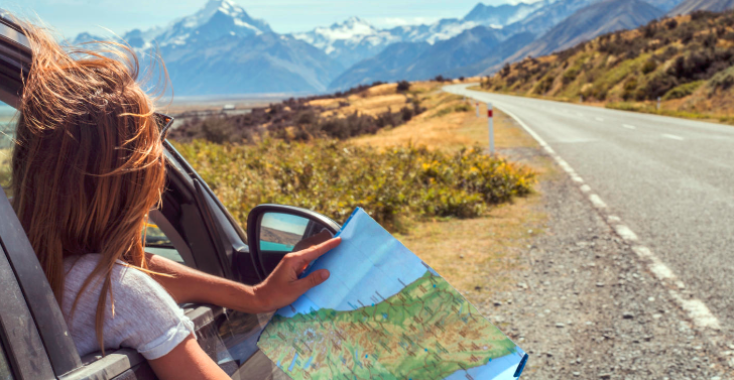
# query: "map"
384, 314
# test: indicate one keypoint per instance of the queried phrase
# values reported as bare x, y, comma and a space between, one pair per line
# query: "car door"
191, 227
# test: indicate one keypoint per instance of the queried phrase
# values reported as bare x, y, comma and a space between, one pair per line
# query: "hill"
690, 6
687, 61
594, 20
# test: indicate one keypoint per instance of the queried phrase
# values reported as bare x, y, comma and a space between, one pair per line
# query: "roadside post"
476, 105
658, 103
490, 120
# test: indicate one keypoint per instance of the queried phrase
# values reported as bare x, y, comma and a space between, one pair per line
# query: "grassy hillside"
686, 61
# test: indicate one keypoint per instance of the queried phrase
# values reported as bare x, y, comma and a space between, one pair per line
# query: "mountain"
545, 18
265, 63
665, 5
507, 48
420, 60
589, 22
502, 15
388, 65
218, 18
690, 6
350, 41
221, 50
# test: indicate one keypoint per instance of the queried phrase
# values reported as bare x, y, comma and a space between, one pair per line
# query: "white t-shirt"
146, 318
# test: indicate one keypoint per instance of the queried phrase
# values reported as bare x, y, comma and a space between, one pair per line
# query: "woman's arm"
281, 288
187, 361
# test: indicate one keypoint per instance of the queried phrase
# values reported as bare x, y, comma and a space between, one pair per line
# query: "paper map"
384, 314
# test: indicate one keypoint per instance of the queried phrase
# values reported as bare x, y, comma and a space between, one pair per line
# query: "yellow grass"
479, 256
450, 131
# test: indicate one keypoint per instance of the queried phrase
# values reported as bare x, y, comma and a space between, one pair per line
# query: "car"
191, 226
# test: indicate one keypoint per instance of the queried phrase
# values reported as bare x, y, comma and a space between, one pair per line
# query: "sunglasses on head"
164, 124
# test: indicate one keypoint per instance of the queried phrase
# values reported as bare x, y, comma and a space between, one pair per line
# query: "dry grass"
452, 130
478, 256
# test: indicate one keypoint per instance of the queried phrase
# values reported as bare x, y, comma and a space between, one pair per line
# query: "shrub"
649, 66
722, 81
672, 24
683, 90
403, 86
656, 86
333, 178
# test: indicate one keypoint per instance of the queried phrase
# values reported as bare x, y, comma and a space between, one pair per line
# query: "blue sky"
70, 17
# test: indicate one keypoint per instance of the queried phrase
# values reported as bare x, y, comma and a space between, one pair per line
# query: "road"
670, 180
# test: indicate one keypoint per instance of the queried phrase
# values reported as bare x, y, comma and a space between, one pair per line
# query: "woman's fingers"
312, 280
312, 253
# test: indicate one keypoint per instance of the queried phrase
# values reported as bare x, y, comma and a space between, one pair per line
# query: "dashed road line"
672, 137
628, 126
598, 119
696, 310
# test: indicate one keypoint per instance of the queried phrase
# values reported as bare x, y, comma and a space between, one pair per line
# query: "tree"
403, 86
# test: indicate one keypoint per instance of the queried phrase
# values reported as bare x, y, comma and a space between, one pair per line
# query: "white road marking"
625, 232
673, 137
597, 202
696, 310
699, 312
629, 126
598, 119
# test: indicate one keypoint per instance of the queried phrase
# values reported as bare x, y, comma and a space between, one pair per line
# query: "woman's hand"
283, 286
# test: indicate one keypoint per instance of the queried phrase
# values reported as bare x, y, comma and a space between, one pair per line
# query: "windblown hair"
88, 163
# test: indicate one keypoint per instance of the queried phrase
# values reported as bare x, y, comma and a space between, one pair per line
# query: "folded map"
384, 314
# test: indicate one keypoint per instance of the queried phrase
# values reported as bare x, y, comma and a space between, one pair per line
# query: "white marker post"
490, 118
476, 105
658, 103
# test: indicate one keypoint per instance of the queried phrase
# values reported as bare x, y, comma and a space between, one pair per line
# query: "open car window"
7, 133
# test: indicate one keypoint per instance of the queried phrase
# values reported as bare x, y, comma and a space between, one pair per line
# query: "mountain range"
221, 50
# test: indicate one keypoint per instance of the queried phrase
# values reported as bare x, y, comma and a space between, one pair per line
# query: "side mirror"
274, 231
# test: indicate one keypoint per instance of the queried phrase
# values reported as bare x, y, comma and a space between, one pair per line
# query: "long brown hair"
88, 164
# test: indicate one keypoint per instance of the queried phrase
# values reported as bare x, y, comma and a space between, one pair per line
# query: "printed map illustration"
384, 314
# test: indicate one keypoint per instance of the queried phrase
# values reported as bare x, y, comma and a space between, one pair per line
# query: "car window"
7, 131
158, 243
5, 372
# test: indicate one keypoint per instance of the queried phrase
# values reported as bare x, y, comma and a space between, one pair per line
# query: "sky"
70, 17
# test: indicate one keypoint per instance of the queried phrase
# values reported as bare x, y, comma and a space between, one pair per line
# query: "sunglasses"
164, 124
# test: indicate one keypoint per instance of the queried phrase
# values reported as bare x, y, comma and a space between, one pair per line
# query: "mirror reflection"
280, 233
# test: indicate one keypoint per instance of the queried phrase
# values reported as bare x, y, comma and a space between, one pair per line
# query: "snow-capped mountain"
503, 15
222, 50
350, 41
218, 18
441, 30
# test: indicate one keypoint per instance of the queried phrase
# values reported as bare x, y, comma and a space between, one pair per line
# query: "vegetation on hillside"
686, 61
303, 119
333, 178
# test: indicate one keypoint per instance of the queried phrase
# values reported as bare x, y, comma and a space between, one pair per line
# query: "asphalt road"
670, 180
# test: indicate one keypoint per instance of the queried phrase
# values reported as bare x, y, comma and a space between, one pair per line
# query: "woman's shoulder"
127, 282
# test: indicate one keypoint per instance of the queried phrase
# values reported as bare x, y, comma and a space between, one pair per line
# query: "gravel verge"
586, 308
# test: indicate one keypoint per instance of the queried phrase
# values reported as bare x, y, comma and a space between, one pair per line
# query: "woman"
87, 167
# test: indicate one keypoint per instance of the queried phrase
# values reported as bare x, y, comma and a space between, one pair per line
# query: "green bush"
333, 178
683, 90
